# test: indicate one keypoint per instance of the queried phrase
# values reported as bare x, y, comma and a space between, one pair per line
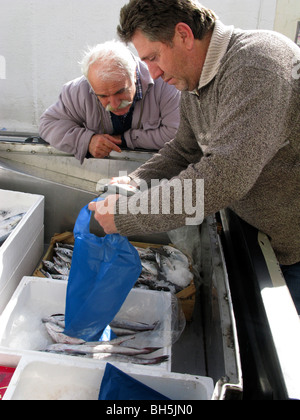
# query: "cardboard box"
186, 297
22, 250
64, 378
21, 326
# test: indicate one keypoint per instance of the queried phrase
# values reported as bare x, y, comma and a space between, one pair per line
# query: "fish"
146, 253
8, 225
120, 332
54, 276
159, 285
150, 267
100, 350
58, 261
4, 213
57, 319
64, 259
55, 325
62, 270
66, 246
176, 254
64, 277
164, 268
128, 359
54, 269
101, 347
64, 251
132, 325
57, 335
59, 268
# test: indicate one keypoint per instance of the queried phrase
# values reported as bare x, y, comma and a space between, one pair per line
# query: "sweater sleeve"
250, 127
63, 124
174, 157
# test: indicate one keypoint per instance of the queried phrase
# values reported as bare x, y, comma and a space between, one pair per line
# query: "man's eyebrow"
146, 57
116, 93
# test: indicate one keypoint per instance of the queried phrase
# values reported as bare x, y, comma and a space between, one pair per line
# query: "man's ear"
185, 35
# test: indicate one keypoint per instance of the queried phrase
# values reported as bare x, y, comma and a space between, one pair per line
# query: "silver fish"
146, 253
4, 213
63, 271
64, 277
46, 274
57, 335
63, 257
128, 359
176, 254
58, 319
66, 246
64, 251
8, 225
100, 348
132, 325
120, 332
58, 261
159, 285
150, 267
50, 267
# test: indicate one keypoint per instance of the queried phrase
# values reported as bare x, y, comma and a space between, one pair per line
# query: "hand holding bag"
103, 271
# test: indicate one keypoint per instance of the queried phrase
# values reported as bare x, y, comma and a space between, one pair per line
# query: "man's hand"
123, 180
104, 213
102, 144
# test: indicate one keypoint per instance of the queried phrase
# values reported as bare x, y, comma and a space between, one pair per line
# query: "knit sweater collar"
218, 46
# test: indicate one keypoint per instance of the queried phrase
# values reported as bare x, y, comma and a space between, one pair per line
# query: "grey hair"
114, 58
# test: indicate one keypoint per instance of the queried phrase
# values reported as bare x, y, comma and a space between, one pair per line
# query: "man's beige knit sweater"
240, 133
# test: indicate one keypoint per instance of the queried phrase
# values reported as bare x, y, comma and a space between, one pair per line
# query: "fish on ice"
8, 224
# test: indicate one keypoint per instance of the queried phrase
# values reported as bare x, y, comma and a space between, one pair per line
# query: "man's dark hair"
157, 19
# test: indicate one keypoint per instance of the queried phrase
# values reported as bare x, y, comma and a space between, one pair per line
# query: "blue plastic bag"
103, 271
117, 385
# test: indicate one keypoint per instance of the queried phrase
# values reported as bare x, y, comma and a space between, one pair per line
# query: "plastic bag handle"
82, 225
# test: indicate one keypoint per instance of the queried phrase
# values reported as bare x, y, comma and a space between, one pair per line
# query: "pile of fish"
164, 268
8, 222
59, 268
113, 350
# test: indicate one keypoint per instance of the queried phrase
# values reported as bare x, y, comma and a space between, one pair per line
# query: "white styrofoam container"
21, 326
25, 267
66, 378
21, 251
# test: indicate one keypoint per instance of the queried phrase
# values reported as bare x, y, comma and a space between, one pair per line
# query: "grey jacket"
240, 133
69, 124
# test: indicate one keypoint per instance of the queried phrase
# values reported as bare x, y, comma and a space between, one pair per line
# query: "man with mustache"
116, 103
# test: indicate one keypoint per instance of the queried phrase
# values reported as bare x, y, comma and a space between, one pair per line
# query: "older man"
115, 104
239, 130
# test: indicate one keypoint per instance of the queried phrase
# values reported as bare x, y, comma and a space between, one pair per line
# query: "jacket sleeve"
154, 134
63, 124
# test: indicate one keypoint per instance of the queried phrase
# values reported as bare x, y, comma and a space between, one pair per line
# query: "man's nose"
154, 70
114, 102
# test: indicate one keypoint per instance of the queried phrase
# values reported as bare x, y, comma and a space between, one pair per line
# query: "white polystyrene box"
25, 267
15, 252
66, 378
21, 326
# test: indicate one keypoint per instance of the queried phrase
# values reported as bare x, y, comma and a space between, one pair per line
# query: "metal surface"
64, 168
267, 323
